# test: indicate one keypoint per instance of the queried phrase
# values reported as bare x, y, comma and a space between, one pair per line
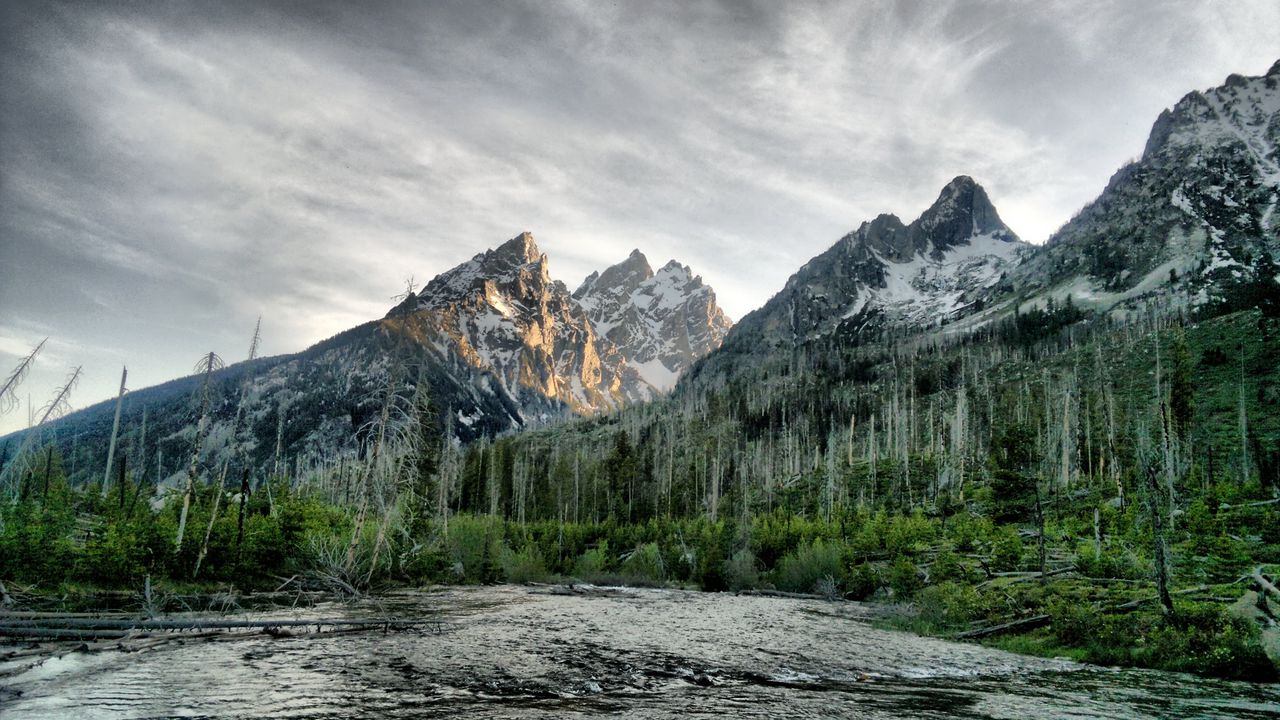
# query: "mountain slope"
660, 322
947, 262
500, 314
1193, 216
498, 344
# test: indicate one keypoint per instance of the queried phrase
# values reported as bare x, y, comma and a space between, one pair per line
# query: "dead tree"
115, 431
207, 365
8, 392
56, 408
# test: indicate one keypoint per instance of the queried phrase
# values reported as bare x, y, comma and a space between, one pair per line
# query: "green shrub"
475, 546
904, 579
948, 605
800, 571
644, 565
947, 568
523, 566
1006, 549
740, 572
1073, 623
862, 581
592, 563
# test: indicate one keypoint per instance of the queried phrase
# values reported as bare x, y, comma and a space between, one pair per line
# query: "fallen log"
1142, 601
107, 628
196, 624
1226, 506
781, 594
1030, 623
31, 632
1263, 583
1024, 576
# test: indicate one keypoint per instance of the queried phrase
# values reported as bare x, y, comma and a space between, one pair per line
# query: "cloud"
168, 172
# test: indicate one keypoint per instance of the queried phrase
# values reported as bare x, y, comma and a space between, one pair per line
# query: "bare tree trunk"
244, 495
208, 364
213, 516
115, 430
1152, 474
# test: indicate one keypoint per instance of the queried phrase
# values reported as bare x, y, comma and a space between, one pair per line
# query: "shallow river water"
516, 652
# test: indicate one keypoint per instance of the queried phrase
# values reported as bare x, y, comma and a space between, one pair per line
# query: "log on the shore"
788, 595
1030, 623
84, 628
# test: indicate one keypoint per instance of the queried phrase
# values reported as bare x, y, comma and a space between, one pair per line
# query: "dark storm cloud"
170, 170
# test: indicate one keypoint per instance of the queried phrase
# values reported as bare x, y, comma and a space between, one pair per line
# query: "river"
516, 652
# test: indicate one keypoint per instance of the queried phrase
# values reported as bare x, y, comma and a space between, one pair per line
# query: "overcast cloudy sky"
169, 171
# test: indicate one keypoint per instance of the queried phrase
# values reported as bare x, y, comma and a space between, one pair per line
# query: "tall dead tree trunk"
1160, 554
8, 391
206, 366
115, 431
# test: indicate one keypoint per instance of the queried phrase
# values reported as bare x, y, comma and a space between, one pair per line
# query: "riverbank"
517, 651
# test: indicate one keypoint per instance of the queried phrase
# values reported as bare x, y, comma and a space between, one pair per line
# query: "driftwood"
1226, 506
1030, 623
87, 628
781, 594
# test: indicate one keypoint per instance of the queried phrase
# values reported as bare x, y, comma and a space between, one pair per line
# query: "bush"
740, 572
644, 565
969, 532
904, 579
475, 546
523, 566
862, 582
800, 571
592, 563
947, 568
1073, 623
1116, 562
1006, 549
949, 605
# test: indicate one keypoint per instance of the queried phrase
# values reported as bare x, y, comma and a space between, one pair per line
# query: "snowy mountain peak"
1196, 214
520, 249
660, 322
943, 264
961, 212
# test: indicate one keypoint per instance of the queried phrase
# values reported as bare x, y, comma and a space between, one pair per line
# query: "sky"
171, 171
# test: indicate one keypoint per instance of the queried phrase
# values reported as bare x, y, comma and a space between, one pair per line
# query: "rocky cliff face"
501, 314
1194, 215
497, 343
660, 322
920, 274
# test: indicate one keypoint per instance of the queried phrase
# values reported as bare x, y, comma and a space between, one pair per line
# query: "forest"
1057, 483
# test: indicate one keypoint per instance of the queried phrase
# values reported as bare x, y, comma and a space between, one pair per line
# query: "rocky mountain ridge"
660, 322
1189, 224
919, 274
496, 343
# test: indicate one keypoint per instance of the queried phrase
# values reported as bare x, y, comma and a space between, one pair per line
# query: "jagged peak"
521, 247
1275, 69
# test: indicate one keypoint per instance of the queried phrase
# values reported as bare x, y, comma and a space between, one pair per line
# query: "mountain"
944, 263
1191, 223
501, 317
1186, 223
496, 342
660, 322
